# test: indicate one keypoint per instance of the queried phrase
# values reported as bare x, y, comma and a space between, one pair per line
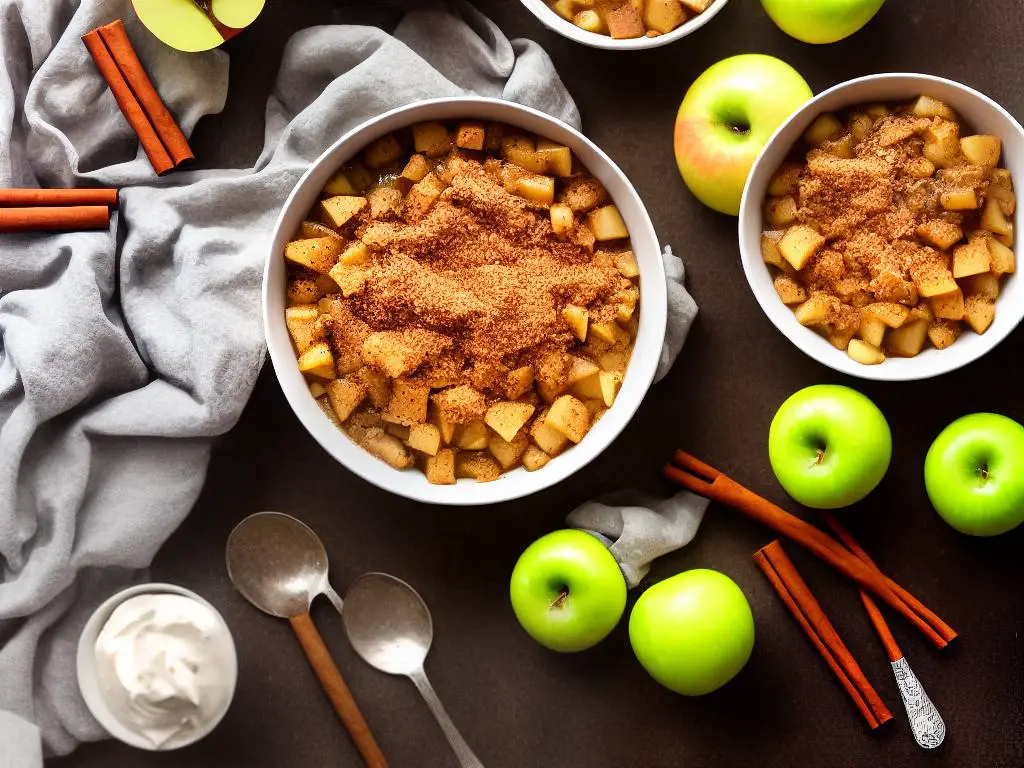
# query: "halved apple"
196, 25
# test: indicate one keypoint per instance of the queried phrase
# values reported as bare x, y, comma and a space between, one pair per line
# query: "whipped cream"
165, 666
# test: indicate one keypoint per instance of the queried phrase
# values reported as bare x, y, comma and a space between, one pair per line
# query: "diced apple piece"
568, 416
861, 125
799, 244
470, 136
423, 194
301, 324
562, 219
477, 466
825, 126
580, 369
942, 333
431, 139
971, 259
979, 313
401, 431
318, 360
383, 152
785, 180
981, 150
942, 144
387, 447
817, 310
1006, 239
588, 20
871, 330
378, 386
780, 212
508, 452
548, 439
697, 6
416, 168
536, 189
959, 199
312, 229
425, 438
519, 381
440, 468
356, 254
920, 167
345, 395
350, 280
877, 111
471, 436
340, 184
557, 157
606, 223
317, 254
388, 352
534, 458
908, 340
577, 317
841, 147
933, 278
663, 15
1003, 260
622, 17
588, 388
303, 291
926, 106
603, 331
408, 404
770, 251
610, 382
582, 193
522, 151
445, 427
992, 218
864, 353
940, 233
625, 262
337, 211
507, 418
385, 202
789, 290
564, 8
986, 285
949, 306
1000, 187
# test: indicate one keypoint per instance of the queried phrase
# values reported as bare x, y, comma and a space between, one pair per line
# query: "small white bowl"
553, 21
88, 682
646, 351
983, 116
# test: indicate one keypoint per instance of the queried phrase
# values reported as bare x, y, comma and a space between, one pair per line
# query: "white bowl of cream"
157, 666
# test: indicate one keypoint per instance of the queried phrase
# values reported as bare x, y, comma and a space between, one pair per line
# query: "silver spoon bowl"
390, 627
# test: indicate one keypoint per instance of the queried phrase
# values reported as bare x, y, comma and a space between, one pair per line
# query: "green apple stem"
821, 456
559, 601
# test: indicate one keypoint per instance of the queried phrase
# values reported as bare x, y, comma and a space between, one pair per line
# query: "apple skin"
714, 157
821, 21
850, 431
596, 591
973, 503
693, 632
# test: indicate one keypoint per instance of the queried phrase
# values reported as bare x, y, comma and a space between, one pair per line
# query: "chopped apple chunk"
578, 318
799, 245
440, 468
979, 313
337, 211
606, 223
971, 259
864, 353
318, 360
507, 418
568, 416
981, 150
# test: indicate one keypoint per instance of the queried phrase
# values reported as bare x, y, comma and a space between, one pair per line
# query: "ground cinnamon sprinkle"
483, 269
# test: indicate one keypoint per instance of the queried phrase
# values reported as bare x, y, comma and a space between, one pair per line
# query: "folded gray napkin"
123, 356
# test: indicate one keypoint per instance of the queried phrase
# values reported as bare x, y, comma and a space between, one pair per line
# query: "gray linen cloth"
123, 354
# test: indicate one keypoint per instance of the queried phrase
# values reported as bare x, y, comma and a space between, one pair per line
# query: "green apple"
829, 446
821, 21
693, 632
725, 120
196, 25
567, 591
974, 474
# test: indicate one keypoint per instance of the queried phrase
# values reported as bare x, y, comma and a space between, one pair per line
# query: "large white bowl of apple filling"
464, 301
878, 227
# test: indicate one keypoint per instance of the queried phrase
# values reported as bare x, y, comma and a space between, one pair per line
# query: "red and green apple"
829, 446
692, 632
974, 474
568, 591
725, 120
196, 25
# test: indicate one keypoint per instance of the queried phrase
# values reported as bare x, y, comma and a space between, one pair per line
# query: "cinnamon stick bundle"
161, 138
28, 196
797, 597
698, 477
49, 218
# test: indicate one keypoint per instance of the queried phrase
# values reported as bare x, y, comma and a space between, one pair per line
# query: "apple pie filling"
463, 298
888, 229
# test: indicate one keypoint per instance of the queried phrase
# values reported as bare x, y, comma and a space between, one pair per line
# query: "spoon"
389, 625
279, 565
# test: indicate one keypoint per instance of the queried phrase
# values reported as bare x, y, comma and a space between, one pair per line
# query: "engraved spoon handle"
462, 751
925, 721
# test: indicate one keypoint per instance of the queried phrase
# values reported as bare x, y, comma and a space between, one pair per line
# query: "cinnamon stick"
713, 484
40, 218
116, 39
94, 196
892, 649
797, 597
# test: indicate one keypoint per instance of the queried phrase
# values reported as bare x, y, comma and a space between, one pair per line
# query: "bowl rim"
567, 29
516, 483
88, 685
907, 369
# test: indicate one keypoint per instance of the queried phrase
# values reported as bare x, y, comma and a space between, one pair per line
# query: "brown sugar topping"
484, 269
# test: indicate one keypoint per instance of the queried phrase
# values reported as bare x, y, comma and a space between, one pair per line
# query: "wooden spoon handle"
337, 691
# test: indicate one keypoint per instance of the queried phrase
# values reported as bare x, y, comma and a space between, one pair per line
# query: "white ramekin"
411, 483
88, 682
983, 116
565, 28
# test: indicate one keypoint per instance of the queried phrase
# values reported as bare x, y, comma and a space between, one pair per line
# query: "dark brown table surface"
518, 704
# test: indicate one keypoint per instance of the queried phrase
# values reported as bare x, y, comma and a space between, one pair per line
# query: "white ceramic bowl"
553, 21
646, 352
983, 116
88, 683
